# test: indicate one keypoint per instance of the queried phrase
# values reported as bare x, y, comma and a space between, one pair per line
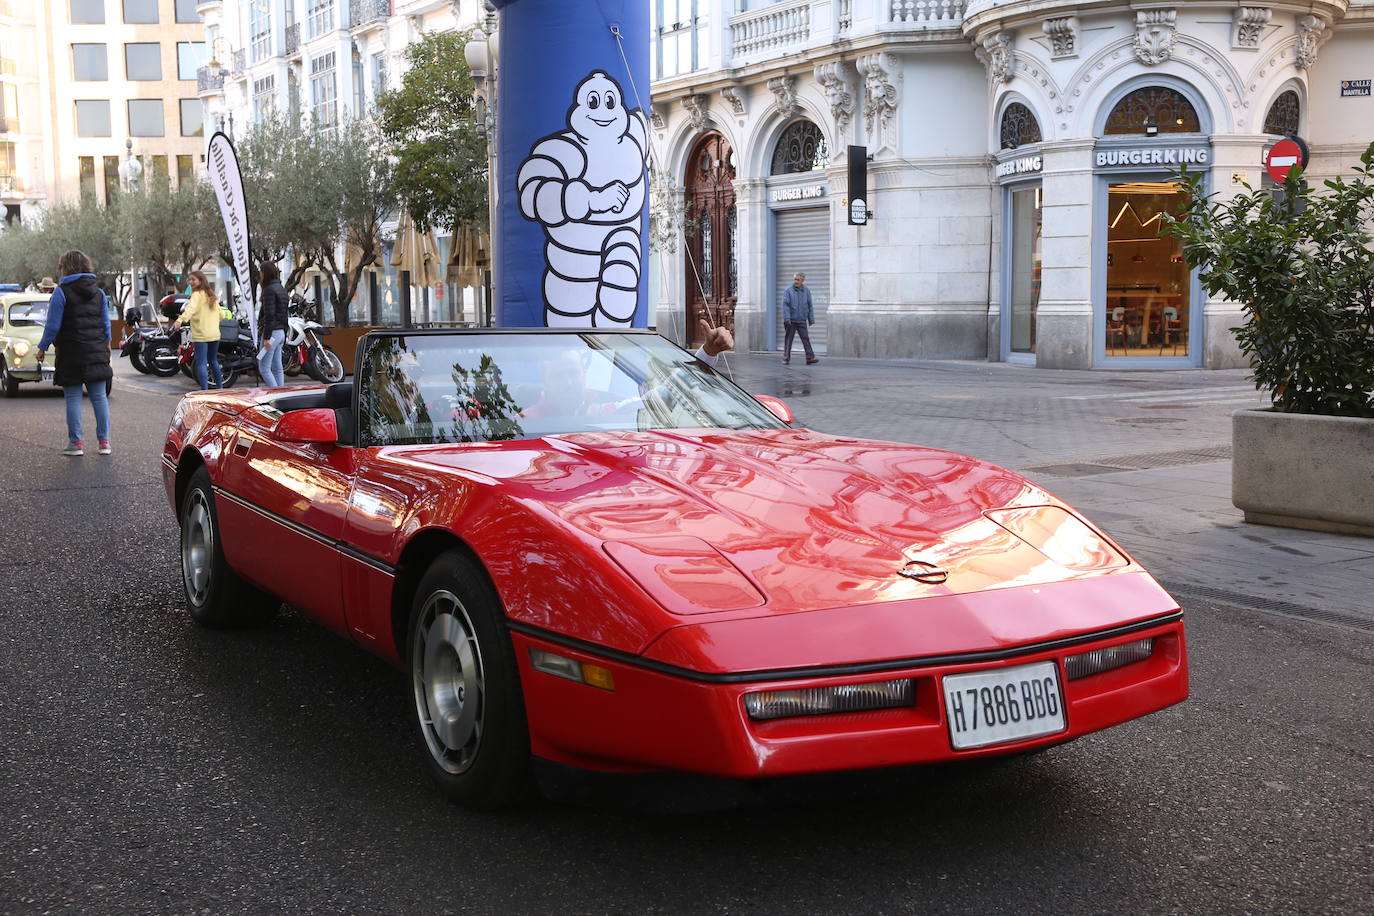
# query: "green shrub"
1303, 269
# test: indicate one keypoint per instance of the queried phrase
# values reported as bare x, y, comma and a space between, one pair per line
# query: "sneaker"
74, 449
786, 360
814, 359
104, 446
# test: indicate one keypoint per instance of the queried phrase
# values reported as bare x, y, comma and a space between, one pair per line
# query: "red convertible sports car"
592, 548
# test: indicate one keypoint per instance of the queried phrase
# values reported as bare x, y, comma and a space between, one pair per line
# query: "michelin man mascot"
586, 186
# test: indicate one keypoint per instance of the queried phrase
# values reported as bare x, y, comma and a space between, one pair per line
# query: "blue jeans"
207, 352
269, 361
99, 404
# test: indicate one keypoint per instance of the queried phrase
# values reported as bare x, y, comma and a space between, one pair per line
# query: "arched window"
801, 148
1164, 109
1019, 126
1283, 115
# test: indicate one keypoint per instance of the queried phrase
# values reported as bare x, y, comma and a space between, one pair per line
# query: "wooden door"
710, 266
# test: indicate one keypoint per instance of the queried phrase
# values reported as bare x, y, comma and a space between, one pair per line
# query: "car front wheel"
215, 594
469, 710
9, 385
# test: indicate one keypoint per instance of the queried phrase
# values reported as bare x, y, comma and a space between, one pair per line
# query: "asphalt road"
147, 766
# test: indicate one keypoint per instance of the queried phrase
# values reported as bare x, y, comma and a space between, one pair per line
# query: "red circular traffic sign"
1283, 156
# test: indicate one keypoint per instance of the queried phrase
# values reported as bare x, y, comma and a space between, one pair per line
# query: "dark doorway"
710, 266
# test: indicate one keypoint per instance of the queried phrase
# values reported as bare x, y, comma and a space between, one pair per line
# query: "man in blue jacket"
798, 314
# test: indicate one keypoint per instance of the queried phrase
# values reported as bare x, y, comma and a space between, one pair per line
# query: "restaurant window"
186, 171
801, 148
143, 61
140, 11
1153, 110
86, 12
1019, 126
1283, 115
1023, 289
1148, 283
85, 169
93, 118
110, 169
90, 62
146, 118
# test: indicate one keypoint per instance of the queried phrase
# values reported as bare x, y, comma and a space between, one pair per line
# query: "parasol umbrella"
469, 257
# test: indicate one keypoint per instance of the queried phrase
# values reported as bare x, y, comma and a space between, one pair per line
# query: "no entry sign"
1283, 156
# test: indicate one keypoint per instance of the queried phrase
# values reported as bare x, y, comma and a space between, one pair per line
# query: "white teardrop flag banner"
223, 166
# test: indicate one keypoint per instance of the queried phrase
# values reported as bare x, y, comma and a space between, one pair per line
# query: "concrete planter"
1304, 471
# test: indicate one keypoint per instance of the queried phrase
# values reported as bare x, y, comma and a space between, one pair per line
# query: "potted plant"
1301, 263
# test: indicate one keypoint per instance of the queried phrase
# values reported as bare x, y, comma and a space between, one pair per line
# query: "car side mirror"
316, 425
777, 406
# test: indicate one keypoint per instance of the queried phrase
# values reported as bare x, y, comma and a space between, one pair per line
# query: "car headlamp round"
21, 348
818, 701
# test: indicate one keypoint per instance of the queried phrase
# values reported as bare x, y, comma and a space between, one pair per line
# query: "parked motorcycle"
304, 348
135, 335
236, 356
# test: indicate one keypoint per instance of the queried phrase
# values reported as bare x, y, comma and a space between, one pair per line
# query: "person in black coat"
271, 325
79, 323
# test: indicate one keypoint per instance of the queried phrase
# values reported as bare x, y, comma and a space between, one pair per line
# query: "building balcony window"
361, 12
771, 31
210, 79
293, 39
240, 60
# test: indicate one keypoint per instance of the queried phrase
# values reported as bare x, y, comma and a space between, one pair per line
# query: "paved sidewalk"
1144, 454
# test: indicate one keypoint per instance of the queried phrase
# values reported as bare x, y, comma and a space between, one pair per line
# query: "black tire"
161, 360
230, 376
324, 365
215, 595
136, 360
189, 370
9, 385
463, 671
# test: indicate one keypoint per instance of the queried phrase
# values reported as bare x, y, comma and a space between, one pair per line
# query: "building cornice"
985, 18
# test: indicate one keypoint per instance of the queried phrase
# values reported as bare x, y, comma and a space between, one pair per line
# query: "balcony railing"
293, 38
926, 13
240, 60
209, 79
361, 12
11, 184
771, 30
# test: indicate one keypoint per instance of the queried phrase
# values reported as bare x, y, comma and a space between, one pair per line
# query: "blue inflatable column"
572, 127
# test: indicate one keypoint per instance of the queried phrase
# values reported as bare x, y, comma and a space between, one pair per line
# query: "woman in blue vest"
79, 323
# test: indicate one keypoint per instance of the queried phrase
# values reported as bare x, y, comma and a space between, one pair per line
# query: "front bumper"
659, 720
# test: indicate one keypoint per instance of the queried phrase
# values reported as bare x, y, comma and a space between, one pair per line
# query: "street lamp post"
482, 55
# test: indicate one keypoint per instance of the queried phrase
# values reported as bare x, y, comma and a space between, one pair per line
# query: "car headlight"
21, 348
819, 701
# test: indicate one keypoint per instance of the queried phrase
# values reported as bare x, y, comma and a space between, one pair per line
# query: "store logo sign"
805, 192
1151, 156
1020, 166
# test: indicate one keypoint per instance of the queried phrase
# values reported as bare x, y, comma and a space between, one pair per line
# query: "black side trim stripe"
787, 674
340, 546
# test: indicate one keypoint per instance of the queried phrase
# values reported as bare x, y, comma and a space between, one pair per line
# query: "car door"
298, 497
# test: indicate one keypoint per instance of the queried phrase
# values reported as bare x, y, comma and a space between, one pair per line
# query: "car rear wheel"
9, 385
469, 710
215, 594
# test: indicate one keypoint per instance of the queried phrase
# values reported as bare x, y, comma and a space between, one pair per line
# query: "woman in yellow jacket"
202, 311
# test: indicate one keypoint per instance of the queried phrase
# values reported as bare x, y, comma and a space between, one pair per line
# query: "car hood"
32, 333
781, 521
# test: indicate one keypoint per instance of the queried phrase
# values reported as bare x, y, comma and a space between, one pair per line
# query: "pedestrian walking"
271, 325
203, 312
798, 314
79, 323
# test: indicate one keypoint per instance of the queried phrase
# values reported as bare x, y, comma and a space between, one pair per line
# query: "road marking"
1176, 394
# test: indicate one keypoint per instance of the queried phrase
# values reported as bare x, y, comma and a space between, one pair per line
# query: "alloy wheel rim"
197, 547
450, 683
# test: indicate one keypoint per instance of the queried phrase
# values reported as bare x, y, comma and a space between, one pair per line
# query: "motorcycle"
236, 356
303, 347
136, 334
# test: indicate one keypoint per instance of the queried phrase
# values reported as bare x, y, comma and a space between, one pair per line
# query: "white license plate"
1005, 704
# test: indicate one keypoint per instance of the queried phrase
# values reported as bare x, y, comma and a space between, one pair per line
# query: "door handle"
242, 446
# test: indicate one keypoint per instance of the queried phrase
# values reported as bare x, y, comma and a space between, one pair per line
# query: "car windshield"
480, 387
28, 314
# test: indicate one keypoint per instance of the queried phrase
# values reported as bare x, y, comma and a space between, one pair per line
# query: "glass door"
1023, 269
1147, 310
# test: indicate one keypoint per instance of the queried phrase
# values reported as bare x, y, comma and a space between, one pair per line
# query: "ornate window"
1283, 115
1154, 106
1019, 126
801, 148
